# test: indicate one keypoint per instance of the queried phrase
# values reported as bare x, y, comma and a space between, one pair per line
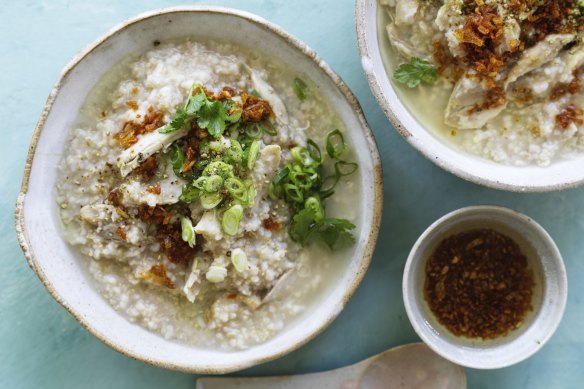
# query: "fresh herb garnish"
302, 186
210, 115
300, 88
335, 233
416, 72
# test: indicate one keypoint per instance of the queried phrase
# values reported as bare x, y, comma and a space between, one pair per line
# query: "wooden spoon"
410, 366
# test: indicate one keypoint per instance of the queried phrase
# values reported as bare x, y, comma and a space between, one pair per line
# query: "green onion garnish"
252, 154
335, 144
300, 88
236, 188
211, 200
231, 219
343, 168
188, 232
239, 260
213, 183
216, 274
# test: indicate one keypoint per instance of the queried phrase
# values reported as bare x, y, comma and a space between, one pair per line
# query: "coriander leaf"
416, 72
194, 103
212, 117
300, 88
255, 93
335, 233
176, 124
302, 226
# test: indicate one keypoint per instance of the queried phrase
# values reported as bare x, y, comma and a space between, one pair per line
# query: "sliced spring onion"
213, 183
251, 192
274, 191
293, 193
335, 144
176, 157
281, 175
300, 179
189, 194
231, 219
233, 113
300, 88
200, 183
255, 93
302, 156
216, 274
188, 232
343, 168
314, 151
219, 168
327, 188
314, 204
254, 131
211, 200
269, 128
252, 154
239, 260
235, 153
236, 188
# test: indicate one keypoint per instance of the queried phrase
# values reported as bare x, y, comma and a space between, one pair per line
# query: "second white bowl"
549, 298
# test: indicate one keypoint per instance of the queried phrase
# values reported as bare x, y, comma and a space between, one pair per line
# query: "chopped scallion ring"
188, 232
293, 193
176, 157
300, 88
239, 260
343, 168
254, 131
236, 188
335, 144
315, 205
213, 183
314, 151
302, 156
211, 200
216, 274
252, 154
231, 219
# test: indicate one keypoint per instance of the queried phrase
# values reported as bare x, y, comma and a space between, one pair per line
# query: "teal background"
42, 346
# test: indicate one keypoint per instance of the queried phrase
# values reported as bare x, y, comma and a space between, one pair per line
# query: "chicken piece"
99, 214
538, 55
193, 283
147, 145
471, 91
135, 192
267, 93
266, 166
405, 12
209, 227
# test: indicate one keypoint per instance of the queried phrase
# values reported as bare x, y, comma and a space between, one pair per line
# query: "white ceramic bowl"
374, 48
549, 298
57, 265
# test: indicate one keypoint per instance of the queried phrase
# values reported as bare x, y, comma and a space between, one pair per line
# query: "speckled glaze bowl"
549, 295
375, 50
59, 268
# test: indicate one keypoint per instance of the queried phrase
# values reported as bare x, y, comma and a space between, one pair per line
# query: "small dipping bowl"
549, 297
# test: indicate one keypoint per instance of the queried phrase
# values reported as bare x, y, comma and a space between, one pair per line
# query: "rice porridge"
500, 79
194, 188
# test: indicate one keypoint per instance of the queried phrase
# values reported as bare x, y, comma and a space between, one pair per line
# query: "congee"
501, 79
210, 192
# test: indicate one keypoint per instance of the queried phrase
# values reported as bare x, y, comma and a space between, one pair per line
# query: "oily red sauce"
478, 284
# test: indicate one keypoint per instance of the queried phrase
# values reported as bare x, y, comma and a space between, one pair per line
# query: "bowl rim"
367, 53
311, 55
412, 305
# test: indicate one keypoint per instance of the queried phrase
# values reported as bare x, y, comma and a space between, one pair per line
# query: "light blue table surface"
42, 346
